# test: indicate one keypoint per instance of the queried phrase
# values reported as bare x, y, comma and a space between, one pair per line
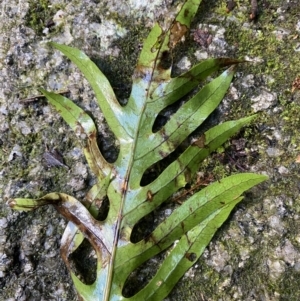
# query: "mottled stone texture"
256, 255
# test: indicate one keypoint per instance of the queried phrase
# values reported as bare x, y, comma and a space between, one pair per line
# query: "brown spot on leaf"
187, 174
79, 129
93, 135
177, 31
151, 238
165, 61
186, 13
68, 108
164, 135
124, 186
182, 225
200, 142
11, 203
163, 154
149, 195
191, 256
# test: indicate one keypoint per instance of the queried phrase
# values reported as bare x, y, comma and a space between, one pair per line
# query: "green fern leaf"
193, 224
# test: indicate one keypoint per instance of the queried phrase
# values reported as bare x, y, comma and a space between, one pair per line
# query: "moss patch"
39, 15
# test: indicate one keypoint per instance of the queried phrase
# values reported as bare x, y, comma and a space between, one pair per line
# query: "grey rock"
263, 101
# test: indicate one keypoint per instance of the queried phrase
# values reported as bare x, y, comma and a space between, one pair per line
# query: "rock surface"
256, 255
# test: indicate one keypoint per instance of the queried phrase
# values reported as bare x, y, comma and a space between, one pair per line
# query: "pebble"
263, 101
274, 152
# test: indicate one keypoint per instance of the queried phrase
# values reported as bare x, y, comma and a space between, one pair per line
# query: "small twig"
233, 162
36, 97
